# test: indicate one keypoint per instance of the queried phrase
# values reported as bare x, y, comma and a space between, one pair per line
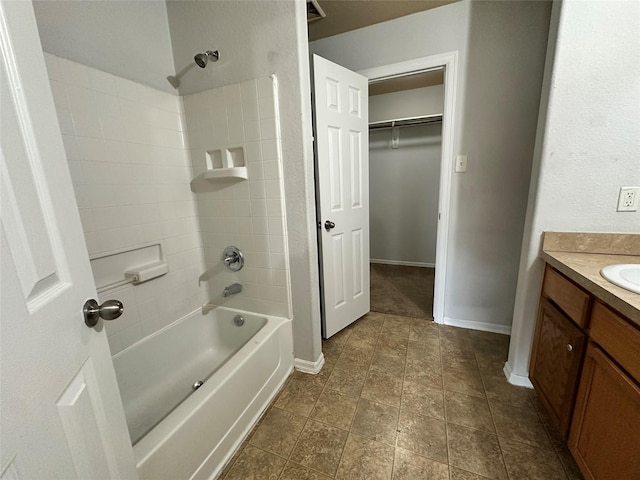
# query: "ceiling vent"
314, 11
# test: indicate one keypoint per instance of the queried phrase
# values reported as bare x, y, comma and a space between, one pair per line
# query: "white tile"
276, 226
249, 96
271, 169
267, 107
235, 123
272, 188
87, 125
245, 227
112, 128
66, 122
260, 260
253, 152
274, 207
268, 128
252, 129
73, 73
53, 70
257, 189
278, 261
260, 226
265, 88
270, 150
232, 94
279, 278
276, 244
102, 81
59, 95
259, 207
261, 243
71, 147
255, 171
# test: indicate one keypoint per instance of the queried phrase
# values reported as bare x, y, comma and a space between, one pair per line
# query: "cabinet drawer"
571, 299
617, 337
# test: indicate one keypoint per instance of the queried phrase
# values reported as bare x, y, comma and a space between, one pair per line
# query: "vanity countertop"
581, 256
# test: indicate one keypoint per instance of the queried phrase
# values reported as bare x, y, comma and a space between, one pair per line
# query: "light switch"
461, 163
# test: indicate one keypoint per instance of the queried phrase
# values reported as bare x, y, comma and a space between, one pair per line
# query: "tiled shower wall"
131, 173
246, 213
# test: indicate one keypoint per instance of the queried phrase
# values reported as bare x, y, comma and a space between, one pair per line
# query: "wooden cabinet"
558, 346
593, 397
555, 362
605, 432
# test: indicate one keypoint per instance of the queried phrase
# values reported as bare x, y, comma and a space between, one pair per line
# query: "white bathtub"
181, 433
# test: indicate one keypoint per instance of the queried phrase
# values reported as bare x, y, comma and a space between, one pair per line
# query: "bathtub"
179, 432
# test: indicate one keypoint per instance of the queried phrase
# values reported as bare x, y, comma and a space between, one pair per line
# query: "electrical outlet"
628, 199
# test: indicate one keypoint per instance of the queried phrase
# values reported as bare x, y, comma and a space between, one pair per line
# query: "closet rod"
403, 122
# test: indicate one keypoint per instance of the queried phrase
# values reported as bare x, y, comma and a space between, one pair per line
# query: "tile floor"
404, 398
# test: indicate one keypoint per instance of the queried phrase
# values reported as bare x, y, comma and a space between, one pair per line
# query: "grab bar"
118, 283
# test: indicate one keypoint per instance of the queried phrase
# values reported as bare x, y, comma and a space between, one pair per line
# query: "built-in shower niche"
226, 163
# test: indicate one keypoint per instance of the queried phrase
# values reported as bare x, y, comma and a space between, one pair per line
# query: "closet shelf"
404, 122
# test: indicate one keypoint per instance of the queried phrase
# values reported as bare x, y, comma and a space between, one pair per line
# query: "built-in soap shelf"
225, 162
128, 266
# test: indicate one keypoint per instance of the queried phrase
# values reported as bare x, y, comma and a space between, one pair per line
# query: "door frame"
448, 60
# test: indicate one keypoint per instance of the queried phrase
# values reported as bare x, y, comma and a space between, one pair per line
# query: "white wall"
407, 103
131, 173
248, 213
501, 48
256, 39
590, 146
404, 186
127, 38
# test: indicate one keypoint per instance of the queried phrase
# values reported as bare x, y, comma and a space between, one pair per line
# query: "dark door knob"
329, 225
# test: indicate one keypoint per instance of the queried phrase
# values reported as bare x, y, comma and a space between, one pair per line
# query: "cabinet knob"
569, 347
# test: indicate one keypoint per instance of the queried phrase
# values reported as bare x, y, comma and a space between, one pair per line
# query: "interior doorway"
447, 63
405, 156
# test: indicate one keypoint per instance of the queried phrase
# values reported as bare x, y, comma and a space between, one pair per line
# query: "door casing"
449, 61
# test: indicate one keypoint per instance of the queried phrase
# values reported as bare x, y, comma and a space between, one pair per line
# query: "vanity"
585, 359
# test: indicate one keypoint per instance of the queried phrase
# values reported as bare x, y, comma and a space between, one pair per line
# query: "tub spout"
232, 289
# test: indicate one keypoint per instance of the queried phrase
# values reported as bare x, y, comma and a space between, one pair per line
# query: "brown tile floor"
404, 398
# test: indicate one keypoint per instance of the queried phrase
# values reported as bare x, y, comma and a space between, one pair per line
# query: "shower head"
201, 59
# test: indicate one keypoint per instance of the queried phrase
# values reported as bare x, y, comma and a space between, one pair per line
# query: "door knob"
329, 225
109, 310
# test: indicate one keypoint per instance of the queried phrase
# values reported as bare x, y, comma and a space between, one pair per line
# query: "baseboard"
518, 380
400, 262
473, 325
306, 366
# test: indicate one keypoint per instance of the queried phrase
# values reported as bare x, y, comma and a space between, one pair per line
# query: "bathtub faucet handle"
233, 258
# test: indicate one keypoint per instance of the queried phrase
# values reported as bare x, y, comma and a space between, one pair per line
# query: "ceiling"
346, 15
407, 82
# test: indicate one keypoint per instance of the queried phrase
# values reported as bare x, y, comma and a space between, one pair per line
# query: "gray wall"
129, 39
501, 47
403, 190
256, 39
589, 146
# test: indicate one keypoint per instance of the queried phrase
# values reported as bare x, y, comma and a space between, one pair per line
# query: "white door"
62, 416
341, 105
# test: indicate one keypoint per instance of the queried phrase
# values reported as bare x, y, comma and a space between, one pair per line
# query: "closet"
405, 137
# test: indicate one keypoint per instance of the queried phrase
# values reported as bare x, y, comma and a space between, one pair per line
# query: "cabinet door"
605, 432
555, 363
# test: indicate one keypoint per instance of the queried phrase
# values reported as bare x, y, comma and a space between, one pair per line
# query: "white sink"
625, 275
